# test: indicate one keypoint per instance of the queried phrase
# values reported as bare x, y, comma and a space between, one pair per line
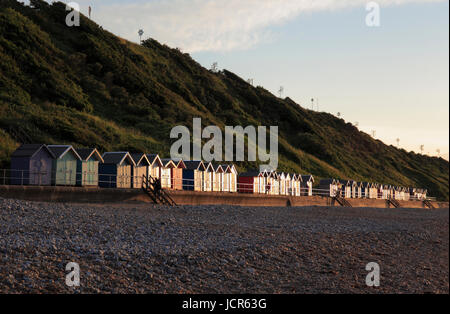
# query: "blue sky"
392, 79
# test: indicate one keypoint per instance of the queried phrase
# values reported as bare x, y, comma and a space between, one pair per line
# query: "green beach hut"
87, 167
64, 165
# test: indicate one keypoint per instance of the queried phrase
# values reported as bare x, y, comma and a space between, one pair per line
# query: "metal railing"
94, 179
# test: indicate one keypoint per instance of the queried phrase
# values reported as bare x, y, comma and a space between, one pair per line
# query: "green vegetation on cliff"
87, 87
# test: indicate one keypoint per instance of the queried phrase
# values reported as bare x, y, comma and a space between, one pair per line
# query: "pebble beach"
141, 248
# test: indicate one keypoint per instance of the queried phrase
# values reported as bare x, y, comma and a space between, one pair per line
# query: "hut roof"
307, 178
61, 150
349, 182
265, 173
232, 168
274, 175
86, 154
29, 150
180, 164
154, 158
327, 181
226, 168
218, 169
167, 162
117, 158
195, 165
139, 158
210, 167
251, 174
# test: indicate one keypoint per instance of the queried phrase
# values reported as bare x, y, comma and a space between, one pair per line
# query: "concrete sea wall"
99, 195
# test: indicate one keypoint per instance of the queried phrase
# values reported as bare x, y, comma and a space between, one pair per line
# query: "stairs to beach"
157, 195
393, 202
342, 201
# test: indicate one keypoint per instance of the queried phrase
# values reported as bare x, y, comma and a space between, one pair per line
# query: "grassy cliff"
88, 87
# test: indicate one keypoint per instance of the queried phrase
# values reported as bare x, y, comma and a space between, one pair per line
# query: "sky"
392, 79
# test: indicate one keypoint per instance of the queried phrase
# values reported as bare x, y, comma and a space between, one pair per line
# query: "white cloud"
211, 25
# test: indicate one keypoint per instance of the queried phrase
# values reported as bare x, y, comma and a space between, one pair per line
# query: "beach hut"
230, 178
31, 164
208, 177
359, 190
307, 185
116, 171
373, 191
380, 190
140, 169
250, 182
390, 191
87, 167
397, 193
154, 170
289, 184
283, 183
329, 187
226, 178
406, 194
354, 186
167, 169
384, 191
193, 176
177, 175
270, 182
290, 178
172, 174
402, 193
425, 194
412, 193
264, 182
422, 194
218, 178
233, 178
347, 188
296, 184
64, 165
365, 187
275, 183
419, 194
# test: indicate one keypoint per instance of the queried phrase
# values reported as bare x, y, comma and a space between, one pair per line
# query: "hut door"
120, 177
44, 173
38, 173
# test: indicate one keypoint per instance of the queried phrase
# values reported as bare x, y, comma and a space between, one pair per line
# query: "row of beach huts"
64, 165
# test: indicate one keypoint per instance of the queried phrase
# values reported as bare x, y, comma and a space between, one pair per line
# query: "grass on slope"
85, 86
